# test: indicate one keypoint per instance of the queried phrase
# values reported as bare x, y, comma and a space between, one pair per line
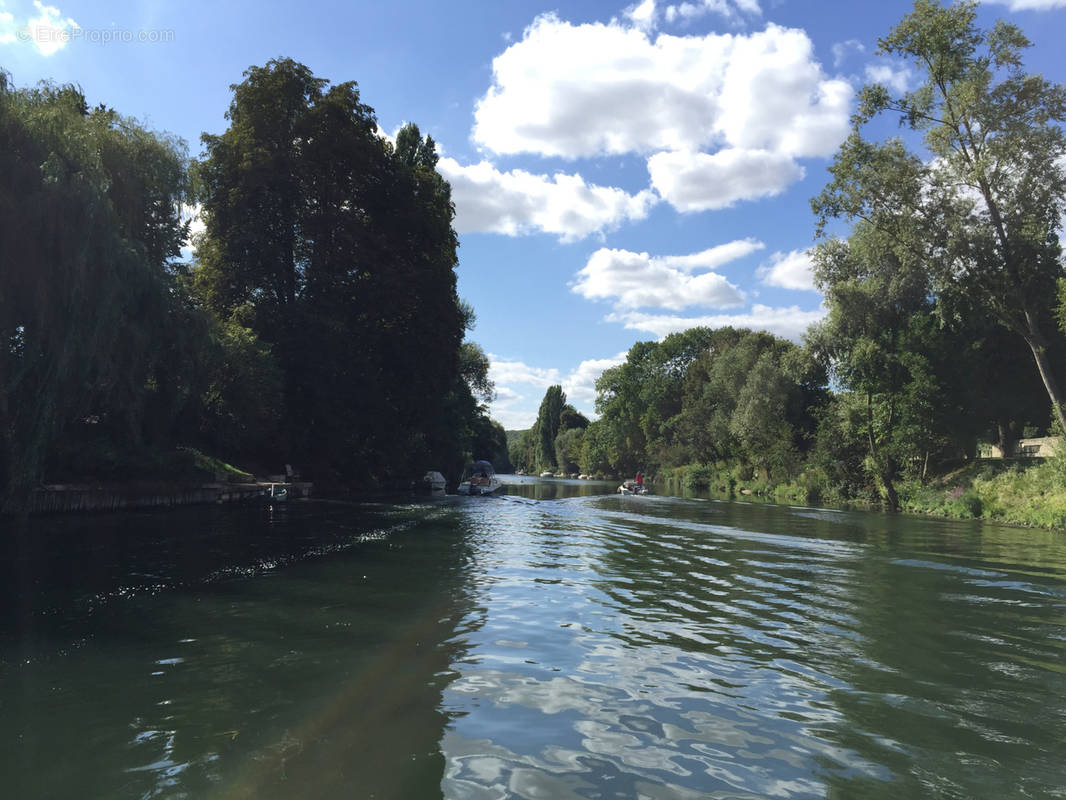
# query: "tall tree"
339, 250
88, 223
873, 342
546, 428
981, 207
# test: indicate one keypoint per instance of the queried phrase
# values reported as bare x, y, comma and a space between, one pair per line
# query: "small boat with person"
480, 480
635, 486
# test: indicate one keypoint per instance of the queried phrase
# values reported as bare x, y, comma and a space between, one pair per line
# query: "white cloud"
789, 271
50, 32
7, 26
1030, 5
516, 410
689, 11
894, 77
580, 384
637, 280
790, 323
388, 137
841, 50
503, 373
583, 90
642, 15
518, 202
700, 182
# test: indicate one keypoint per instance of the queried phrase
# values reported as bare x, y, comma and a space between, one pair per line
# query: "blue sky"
619, 171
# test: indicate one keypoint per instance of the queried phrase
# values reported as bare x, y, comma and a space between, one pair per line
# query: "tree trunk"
890, 493
1006, 438
1038, 344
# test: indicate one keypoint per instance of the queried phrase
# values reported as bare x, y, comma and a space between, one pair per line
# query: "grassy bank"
1029, 492
1023, 492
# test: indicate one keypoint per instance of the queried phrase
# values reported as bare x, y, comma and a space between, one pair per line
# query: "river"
555, 642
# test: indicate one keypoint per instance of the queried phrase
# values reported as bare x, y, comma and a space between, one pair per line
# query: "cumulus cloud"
504, 372
722, 117
894, 77
643, 15
580, 384
517, 202
582, 90
49, 31
790, 322
516, 410
788, 271
701, 182
638, 280
687, 11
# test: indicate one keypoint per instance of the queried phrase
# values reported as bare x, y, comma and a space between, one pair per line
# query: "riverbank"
157, 479
1025, 492
66, 498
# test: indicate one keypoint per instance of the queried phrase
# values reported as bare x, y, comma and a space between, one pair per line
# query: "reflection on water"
556, 641
553, 488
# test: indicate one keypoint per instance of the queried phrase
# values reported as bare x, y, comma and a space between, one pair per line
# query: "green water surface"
555, 642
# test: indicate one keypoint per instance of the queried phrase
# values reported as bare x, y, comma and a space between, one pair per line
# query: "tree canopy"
979, 208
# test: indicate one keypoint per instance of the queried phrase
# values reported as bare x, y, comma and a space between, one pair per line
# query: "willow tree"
88, 221
980, 207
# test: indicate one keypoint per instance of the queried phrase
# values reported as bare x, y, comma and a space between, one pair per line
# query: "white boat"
632, 487
547, 474
481, 480
433, 481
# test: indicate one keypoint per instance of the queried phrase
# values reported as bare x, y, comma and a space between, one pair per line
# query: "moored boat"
433, 481
481, 480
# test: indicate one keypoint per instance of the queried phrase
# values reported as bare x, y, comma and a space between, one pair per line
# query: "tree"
546, 428
980, 211
341, 248
88, 224
640, 399
873, 341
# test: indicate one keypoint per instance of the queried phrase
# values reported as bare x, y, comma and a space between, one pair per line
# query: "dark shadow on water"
230, 652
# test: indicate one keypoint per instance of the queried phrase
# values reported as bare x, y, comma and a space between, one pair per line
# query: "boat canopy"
482, 466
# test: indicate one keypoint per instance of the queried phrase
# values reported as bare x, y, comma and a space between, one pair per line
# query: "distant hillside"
512, 437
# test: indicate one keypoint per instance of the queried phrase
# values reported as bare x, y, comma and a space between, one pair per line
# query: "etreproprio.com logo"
46, 35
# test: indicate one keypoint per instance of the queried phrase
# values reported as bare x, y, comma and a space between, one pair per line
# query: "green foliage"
88, 224
979, 210
546, 428
568, 449
341, 249
243, 402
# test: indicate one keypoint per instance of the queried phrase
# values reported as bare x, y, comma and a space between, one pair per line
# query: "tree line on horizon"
317, 324
942, 298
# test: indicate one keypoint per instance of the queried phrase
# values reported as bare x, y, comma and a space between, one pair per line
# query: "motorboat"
433, 481
480, 480
632, 487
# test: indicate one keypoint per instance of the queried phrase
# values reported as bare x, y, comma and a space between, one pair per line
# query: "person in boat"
639, 481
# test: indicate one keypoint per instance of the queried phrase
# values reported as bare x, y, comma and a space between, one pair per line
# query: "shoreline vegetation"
938, 255
317, 321
1027, 492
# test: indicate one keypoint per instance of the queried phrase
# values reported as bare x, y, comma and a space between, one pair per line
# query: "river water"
556, 642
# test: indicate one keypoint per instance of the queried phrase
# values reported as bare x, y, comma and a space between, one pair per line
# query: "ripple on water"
705, 659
